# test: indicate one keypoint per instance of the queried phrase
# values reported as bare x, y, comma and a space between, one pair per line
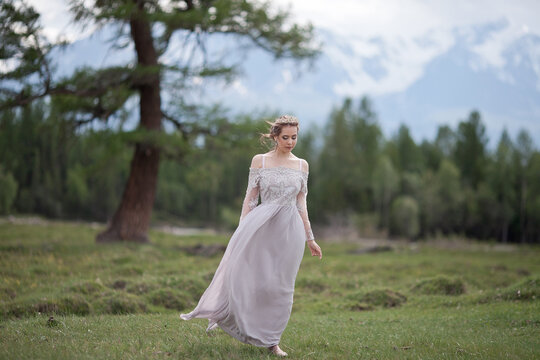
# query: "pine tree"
99, 94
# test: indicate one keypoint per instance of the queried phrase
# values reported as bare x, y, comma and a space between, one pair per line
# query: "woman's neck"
282, 155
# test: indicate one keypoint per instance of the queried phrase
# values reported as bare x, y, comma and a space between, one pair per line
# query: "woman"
251, 294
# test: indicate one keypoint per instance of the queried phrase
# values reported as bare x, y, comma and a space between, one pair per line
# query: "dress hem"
234, 335
211, 327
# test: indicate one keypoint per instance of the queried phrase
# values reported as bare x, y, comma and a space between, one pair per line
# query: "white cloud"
399, 37
506, 77
534, 58
57, 20
402, 59
8, 65
411, 33
239, 87
286, 77
197, 80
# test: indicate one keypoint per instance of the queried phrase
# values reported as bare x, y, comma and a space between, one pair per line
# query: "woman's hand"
314, 248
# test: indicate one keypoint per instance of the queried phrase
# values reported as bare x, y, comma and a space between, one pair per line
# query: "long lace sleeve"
301, 204
252, 193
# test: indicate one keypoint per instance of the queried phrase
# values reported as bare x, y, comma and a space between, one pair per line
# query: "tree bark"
132, 218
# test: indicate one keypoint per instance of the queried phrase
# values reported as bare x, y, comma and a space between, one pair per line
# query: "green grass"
122, 301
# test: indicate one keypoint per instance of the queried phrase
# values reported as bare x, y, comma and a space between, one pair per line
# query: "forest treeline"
453, 184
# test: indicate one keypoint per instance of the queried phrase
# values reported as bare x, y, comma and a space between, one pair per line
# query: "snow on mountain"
422, 64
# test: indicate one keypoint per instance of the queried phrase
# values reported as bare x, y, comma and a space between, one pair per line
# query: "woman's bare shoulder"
256, 162
305, 164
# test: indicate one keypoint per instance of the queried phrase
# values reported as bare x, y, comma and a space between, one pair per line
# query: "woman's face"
286, 140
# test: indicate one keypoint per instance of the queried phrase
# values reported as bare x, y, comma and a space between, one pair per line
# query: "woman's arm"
301, 204
252, 192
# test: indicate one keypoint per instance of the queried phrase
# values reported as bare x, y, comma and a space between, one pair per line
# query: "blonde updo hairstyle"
277, 125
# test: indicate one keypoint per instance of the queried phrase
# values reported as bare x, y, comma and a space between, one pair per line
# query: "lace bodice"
281, 186
278, 185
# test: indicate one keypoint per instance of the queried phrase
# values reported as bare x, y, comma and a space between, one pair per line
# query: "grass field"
415, 301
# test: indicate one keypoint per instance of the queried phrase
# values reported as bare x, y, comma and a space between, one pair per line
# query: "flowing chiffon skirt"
251, 294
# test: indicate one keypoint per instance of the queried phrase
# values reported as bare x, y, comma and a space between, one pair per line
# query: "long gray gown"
251, 294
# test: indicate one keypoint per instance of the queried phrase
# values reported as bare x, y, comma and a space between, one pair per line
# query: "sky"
423, 63
403, 36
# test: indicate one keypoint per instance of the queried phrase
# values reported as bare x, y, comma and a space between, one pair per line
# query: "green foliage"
65, 173
229, 218
24, 51
77, 188
213, 175
503, 181
445, 141
439, 285
531, 195
55, 162
442, 200
89, 94
470, 151
61, 173
404, 219
351, 144
385, 184
8, 191
408, 155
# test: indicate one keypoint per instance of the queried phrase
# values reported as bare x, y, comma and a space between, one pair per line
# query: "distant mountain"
448, 88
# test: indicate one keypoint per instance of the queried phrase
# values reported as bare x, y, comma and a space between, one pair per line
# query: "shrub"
385, 298
194, 286
170, 298
7, 293
439, 285
14, 309
86, 288
313, 284
120, 303
404, 217
141, 288
379, 297
74, 304
526, 289
45, 306
360, 306
71, 304
129, 270
119, 284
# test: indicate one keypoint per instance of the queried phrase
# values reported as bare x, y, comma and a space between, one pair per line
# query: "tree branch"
179, 125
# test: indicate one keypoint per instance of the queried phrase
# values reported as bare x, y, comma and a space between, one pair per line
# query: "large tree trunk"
132, 218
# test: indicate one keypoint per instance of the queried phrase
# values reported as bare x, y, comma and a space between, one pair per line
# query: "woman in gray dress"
251, 294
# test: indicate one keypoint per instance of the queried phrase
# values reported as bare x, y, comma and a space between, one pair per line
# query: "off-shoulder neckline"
280, 167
